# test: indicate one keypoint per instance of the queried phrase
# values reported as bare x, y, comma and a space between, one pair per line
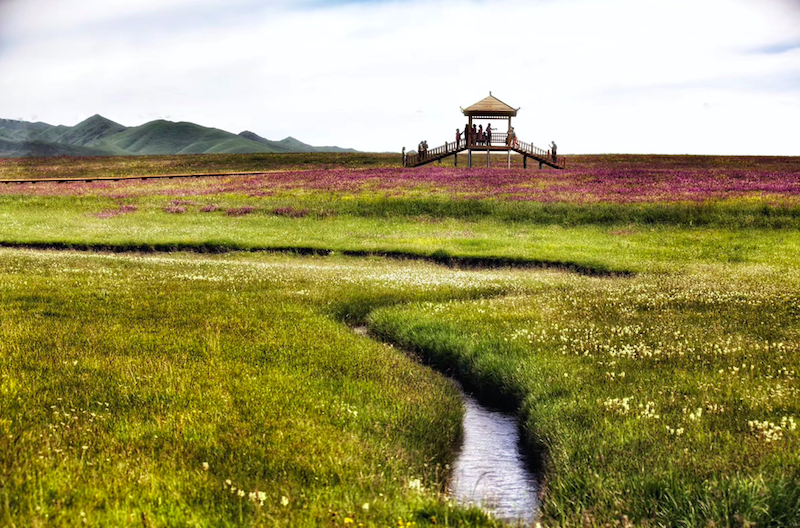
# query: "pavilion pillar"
455, 159
509, 159
469, 158
524, 161
488, 153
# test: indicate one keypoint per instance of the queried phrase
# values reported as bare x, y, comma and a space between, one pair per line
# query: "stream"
490, 470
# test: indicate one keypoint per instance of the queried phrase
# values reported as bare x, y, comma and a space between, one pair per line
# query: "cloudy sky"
630, 76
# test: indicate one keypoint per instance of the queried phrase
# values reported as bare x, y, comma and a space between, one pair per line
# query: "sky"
595, 76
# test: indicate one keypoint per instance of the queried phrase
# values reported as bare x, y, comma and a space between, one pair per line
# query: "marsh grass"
79, 167
226, 390
218, 391
232, 224
663, 400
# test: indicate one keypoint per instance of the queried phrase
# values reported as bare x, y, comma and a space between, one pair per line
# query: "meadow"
639, 312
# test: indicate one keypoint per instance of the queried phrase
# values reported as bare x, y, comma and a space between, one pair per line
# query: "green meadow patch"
663, 400
166, 367
219, 391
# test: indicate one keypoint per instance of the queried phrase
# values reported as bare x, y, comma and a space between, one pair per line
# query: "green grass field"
161, 365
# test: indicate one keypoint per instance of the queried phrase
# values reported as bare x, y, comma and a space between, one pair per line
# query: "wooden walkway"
498, 144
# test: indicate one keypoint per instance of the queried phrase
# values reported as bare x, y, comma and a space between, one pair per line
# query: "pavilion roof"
490, 106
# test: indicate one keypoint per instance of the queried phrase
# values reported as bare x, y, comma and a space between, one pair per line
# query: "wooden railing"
498, 139
412, 160
540, 154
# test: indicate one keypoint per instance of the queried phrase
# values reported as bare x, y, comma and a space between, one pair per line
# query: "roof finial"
490, 92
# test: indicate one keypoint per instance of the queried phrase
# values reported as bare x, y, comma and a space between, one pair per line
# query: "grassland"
198, 390
94, 166
662, 394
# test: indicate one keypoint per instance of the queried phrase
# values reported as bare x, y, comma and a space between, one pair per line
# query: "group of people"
511, 139
475, 135
422, 149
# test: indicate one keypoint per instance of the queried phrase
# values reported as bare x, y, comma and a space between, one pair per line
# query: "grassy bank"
218, 391
660, 400
164, 223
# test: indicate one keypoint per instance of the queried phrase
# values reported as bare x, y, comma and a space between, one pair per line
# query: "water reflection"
490, 470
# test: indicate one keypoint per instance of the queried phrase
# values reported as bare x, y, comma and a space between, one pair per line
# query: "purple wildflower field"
587, 179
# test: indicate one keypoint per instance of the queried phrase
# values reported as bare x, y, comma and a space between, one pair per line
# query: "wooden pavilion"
489, 109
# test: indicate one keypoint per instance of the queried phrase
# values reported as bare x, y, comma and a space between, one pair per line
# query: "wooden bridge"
488, 109
499, 143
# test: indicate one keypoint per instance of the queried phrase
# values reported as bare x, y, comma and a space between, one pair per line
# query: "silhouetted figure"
466, 134
404, 157
489, 134
458, 137
480, 134
474, 134
553, 148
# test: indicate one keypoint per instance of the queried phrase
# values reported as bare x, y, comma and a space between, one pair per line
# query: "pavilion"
489, 109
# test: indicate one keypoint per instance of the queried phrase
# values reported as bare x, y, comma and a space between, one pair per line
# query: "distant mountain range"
98, 136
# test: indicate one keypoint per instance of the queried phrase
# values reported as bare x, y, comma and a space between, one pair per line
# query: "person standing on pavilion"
466, 134
489, 134
458, 137
553, 148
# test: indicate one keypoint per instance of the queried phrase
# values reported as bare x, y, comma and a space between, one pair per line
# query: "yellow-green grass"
219, 391
92, 221
705, 333
659, 400
104, 166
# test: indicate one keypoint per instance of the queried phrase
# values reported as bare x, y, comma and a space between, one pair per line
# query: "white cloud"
597, 76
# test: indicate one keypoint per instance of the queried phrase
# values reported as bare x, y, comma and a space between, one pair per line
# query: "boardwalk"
498, 144
489, 109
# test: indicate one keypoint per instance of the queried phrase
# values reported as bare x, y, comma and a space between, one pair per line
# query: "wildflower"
365, 506
240, 493
205, 466
284, 500
348, 520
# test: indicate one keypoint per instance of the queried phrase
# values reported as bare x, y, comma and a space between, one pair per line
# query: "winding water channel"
490, 470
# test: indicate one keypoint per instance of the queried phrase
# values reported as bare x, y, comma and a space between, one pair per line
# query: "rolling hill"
98, 136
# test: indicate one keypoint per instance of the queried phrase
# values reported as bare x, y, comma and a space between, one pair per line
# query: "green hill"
166, 137
43, 149
98, 136
91, 131
21, 130
291, 144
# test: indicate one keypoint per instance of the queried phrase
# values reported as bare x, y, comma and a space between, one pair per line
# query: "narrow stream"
490, 470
